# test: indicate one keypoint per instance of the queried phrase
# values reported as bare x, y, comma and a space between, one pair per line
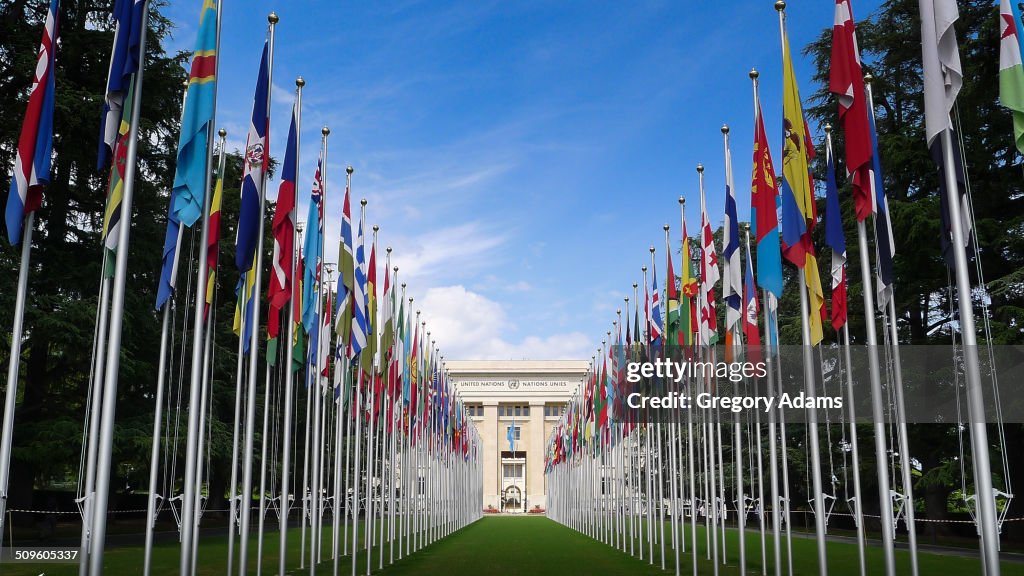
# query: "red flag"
846, 81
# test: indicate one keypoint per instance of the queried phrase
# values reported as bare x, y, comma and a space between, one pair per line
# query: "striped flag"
257, 154
750, 312
190, 175
885, 246
35, 144
124, 63
764, 216
368, 361
213, 241
655, 319
360, 325
687, 296
732, 283
115, 189
283, 227
346, 280
836, 241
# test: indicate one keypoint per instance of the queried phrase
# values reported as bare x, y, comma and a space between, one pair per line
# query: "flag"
885, 246
656, 324
283, 227
312, 249
190, 175
35, 144
511, 436
798, 209
750, 312
732, 283
346, 280
244, 297
360, 324
846, 81
764, 216
124, 63
213, 239
943, 77
172, 237
257, 154
368, 361
672, 295
115, 189
387, 336
1011, 71
324, 340
709, 276
836, 241
687, 295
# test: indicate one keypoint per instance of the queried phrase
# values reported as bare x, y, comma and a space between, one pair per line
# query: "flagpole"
239, 373
984, 493
757, 425
371, 439
109, 408
254, 344
358, 426
14, 364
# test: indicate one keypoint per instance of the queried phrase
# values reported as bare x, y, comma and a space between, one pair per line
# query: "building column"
491, 455
535, 457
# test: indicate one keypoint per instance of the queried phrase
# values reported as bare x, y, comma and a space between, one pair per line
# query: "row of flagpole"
592, 496
422, 475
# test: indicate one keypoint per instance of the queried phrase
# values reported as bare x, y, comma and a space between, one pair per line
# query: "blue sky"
520, 157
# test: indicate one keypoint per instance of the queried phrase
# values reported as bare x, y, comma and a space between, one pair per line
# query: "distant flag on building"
836, 241
189, 186
283, 227
257, 155
511, 436
1011, 70
312, 250
764, 217
798, 208
35, 144
846, 81
124, 63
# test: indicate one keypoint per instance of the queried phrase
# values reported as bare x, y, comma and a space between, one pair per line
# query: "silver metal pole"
113, 362
984, 493
154, 453
233, 502
858, 511
99, 357
289, 373
254, 343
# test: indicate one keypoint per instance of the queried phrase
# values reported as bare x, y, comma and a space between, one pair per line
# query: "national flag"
368, 361
798, 204
213, 239
885, 246
172, 236
115, 189
312, 249
324, 340
510, 435
360, 323
750, 312
257, 154
764, 216
672, 295
1011, 71
387, 335
836, 241
657, 327
732, 280
189, 186
35, 144
283, 227
346, 280
244, 297
943, 78
687, 296
846, 81
709, 276
124, 63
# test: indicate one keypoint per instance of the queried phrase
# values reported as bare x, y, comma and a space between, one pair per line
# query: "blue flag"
256, 156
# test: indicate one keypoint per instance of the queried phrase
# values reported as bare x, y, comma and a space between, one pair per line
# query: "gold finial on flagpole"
700, 168
754, 74
272, 18
780, 5
725, 128
300, 82
222, 133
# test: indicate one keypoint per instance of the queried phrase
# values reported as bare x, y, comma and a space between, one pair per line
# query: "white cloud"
467, 325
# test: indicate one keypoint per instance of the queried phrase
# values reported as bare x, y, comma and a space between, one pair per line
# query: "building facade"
515, 404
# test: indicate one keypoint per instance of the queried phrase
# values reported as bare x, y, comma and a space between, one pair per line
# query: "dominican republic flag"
35, 145
257, 154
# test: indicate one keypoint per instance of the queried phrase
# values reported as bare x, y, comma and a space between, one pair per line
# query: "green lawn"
528, 545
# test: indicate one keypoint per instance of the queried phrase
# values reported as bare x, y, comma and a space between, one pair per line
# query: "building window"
512, 470
552, 410
513, 410
526, 410
518, 410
